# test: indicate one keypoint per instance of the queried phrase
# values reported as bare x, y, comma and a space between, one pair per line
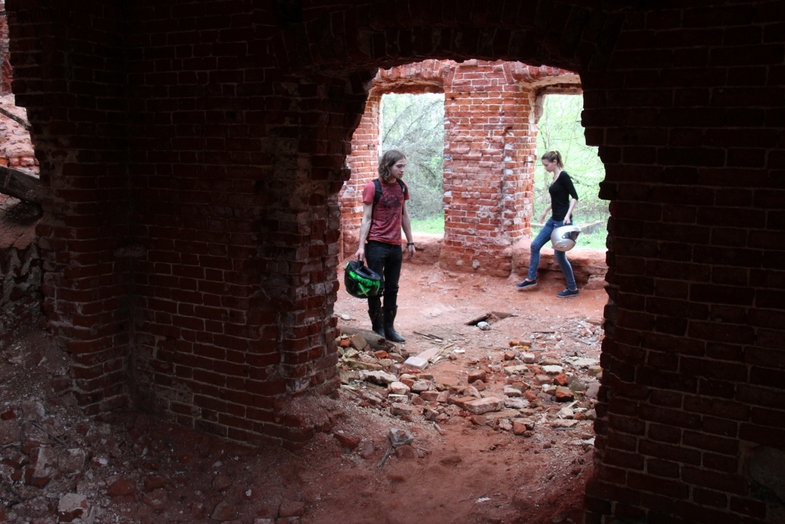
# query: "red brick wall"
16, 148
363, 164
194, 153
491, 143
683, 117
6, 73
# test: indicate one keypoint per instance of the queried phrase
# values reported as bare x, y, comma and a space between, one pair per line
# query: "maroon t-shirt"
387, 213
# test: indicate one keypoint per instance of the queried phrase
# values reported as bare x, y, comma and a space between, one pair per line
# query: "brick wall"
194, 154
6, 73
70, 76
16, 148
236, 224
490, 146
363, 163
683, 116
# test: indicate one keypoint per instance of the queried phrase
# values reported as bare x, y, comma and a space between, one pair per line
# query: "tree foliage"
560, 129
414, 124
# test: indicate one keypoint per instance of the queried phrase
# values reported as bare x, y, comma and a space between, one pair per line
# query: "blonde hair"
388, 160
553, 156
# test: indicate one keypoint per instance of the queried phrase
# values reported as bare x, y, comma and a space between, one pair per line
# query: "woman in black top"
563, 200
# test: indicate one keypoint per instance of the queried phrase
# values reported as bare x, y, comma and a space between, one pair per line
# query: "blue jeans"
386, 260
561, 256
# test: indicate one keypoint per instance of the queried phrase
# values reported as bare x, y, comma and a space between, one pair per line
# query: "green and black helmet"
360, 281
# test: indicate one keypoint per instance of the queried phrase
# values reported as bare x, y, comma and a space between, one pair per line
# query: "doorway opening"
508, 375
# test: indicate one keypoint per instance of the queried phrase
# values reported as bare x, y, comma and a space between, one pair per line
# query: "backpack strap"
378, 185
403, 187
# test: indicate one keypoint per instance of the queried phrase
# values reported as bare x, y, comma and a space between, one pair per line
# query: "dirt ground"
528, 357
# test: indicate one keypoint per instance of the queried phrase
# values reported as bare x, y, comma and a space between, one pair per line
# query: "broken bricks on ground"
514, 388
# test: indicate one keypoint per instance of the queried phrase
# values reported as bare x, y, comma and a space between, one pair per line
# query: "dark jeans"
386, 261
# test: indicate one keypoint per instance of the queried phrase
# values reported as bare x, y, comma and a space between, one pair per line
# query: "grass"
435, 226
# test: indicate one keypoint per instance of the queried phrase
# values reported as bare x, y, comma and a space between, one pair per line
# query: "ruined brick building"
191, 158
490, 114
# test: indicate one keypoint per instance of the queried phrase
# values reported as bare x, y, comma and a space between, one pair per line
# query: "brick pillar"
489, 147
80, 142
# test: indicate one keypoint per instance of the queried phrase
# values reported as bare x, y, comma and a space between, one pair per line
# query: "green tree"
414, 124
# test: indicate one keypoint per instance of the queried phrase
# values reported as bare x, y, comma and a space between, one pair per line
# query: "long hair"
388, 160
553, 156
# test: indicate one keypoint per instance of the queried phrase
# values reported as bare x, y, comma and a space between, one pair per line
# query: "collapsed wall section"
20, 269
20, 261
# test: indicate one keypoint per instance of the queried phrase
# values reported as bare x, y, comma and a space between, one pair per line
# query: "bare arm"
406, 223
545, 213
365, 228
568, 216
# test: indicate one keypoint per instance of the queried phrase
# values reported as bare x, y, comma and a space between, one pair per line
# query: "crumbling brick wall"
20, 263
193, 154
16, 147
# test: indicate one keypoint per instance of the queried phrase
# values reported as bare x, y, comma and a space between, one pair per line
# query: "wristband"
410, 244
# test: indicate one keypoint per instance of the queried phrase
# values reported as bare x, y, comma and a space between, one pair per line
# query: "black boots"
389, 330
382, 322
377, 321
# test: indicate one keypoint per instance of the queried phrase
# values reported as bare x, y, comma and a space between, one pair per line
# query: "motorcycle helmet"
564, 237
360, 281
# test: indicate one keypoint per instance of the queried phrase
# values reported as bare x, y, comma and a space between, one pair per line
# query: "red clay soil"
525, 462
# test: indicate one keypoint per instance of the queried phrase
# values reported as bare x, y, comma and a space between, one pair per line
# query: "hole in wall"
478, 338
559, 128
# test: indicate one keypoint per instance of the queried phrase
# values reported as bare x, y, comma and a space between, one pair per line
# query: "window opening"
414, 123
